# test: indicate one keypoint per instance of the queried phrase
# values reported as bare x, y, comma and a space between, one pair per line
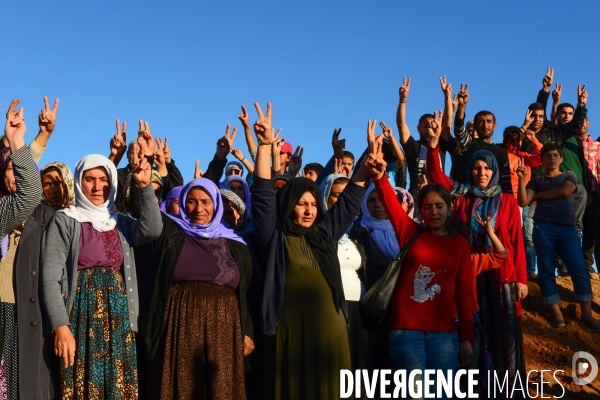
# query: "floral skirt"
105, 355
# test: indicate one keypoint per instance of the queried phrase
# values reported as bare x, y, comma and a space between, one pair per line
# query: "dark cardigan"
270, 235
167, 249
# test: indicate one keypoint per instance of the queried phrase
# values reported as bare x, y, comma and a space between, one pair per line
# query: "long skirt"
204, 355
105, 355
9, 381
500, 314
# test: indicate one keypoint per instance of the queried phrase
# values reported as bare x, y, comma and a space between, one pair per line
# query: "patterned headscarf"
173, 194
68, 183
236, 201
155, 177
325, 189
487, 200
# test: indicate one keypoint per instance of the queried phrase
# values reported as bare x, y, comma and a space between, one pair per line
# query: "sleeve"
55, 252
488, 261
464, 292
434, 169
36, 151
253, 154
174, 174
215, 169
569, 129
570, 177
542, 98
339, 217
403, 225
263, 210
16, 207
460, 133
533, 184
149, 226
534, 160
515, 230
328, 170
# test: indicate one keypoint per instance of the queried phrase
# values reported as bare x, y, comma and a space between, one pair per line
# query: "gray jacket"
60, 252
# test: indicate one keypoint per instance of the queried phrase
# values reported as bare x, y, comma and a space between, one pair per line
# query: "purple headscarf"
241, 180
215, 229
173, 194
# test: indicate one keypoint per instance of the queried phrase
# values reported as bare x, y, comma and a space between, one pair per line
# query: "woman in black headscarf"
303, 303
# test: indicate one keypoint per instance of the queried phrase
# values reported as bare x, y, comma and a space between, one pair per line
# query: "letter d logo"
584, 367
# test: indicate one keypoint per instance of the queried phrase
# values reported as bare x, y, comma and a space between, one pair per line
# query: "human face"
238, 188
174, 207
471, 129
133, 149
481, 173
278, 184
310, 174
513, 144
199, 206
347, 164
565, 115
335, 192
9, 177
305, 211
234, 171
284, 158
54, 188
375, 207
538, 119
584, 128
552, 160
157, 190
422, 128
231, 215
435, 213
485, 126
95, 185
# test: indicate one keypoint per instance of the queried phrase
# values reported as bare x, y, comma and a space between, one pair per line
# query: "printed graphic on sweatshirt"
422, 279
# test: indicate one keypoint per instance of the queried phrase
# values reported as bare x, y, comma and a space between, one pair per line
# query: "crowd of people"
247, 281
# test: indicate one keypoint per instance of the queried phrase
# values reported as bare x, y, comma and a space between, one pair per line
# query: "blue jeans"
528, 240
551, 239
422, 350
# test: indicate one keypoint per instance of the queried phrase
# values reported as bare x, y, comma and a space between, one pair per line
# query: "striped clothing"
15, 208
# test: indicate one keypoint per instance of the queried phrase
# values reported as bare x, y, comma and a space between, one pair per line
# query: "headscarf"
408, 199
103, 217
317, 238
325, 189
382, 231
154, 177
281, 177
4, 160
214, 229
487, 200
228, 195
237, 178
232, 164
173, 194
67, 177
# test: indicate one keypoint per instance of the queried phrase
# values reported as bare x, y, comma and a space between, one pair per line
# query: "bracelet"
242, 160
263, 143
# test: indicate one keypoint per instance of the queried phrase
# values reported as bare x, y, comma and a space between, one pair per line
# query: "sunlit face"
199, 206
375, 207
552, 160
538, 119
565, 115
231, 215
335, 192
95, 185
174, 206
310, 174
9, 178
513, 144
485, 126
481, 173
54, 188
305, 211
347, 165
238, 188
278, 184
133, 149
422, 128
434, 211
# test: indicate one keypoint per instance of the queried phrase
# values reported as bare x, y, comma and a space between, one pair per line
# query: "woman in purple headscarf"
198, 329
171, 203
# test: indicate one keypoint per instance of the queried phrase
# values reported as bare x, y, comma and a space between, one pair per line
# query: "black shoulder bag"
375, 304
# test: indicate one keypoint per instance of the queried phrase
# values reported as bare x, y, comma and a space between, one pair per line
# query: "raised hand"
295, 162
582, 95
167, 151
463, 95
47, 117
118, 143
141, 170
435, 128
454, 102
225, 143
14, 129
484, 222
557, 93
529, 134
528, 119
521, 170
244, 118
375, 162
197, 171
404, 89
547, 80
159, 158
263, 127
338, 144
237, 153
276, 144
146, 135
338, 166
422, 182
387, 131
446, 87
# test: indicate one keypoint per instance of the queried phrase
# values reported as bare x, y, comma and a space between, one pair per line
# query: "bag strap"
405, 249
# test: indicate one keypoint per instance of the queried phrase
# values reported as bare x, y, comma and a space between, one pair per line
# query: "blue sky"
187, 66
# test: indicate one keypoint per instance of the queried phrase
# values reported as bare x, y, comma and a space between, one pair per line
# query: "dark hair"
456, 227
318, 168
437, 188
563, 105
483, 113
341, 179
537, 107
347, 154
511, 132
389, 155
424, 117
549, 147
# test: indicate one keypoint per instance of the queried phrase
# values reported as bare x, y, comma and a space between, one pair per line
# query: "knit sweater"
437, 276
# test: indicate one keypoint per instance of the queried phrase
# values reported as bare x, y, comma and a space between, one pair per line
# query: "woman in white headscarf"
89, 281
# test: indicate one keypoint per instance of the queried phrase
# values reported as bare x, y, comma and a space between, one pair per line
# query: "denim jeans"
528, 240
410, 349
551, 239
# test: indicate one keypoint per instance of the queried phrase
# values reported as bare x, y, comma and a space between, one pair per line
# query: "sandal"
559, 323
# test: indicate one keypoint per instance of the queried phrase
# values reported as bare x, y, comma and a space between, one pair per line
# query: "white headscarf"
104, 217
